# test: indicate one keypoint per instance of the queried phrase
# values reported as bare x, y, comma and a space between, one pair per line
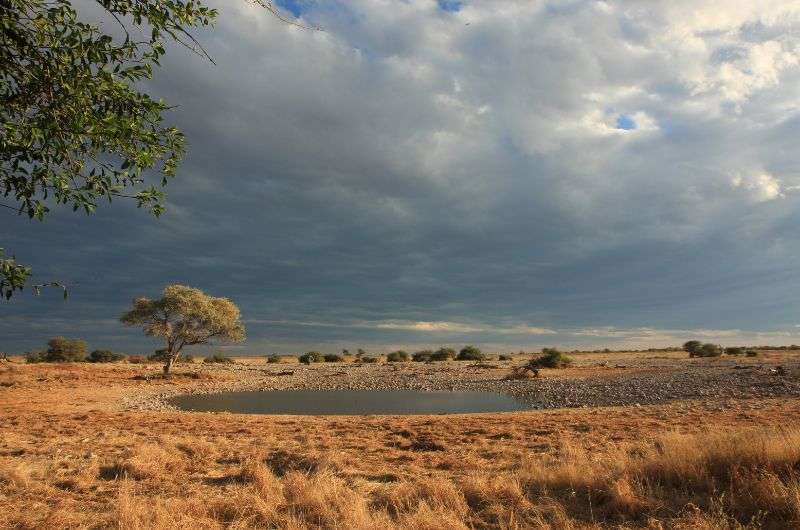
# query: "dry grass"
744, 479
70, 459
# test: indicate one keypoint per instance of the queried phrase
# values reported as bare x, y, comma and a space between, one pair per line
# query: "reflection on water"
349, 402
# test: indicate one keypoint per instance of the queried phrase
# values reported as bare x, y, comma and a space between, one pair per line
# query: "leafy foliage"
443, 354
698, 349
59, 350
422, 356
692, 346
311, 357
105, 356
399, 356
12, 275
162, 355
185, 316
74, 126
274, 358
332, 358
470, 353
550, 358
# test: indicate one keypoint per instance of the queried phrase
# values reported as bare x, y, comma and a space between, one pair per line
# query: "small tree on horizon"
692, 347
185, 316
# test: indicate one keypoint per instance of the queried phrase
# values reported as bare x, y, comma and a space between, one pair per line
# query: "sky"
418, 173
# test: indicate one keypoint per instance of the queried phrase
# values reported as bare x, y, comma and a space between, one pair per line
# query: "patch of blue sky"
295, 7
625, 122
451, 5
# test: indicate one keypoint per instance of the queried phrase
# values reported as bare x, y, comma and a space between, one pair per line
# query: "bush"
136, 359
708, 350
310, 357
470, 353
332, 358
751, 353
692, 347
422, 356
274, 358
34, 357
443, 354
550, 358
186, 358
158, 356
398, 356
698, 349
60, 350
367, 359
505, 357
218, 358
104, 356
734, 351
63, 350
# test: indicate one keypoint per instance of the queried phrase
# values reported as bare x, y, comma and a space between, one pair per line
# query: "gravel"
645, 382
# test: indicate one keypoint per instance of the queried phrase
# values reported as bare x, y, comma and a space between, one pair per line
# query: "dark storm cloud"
428, 172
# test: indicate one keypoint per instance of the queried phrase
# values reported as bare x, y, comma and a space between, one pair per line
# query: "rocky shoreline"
645, 382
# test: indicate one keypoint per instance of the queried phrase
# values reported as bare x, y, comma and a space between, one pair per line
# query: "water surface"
349, 402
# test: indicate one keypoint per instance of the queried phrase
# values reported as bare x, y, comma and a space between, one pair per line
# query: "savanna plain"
616, 440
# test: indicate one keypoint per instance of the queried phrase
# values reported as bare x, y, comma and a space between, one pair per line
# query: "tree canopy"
185, 316
75, 128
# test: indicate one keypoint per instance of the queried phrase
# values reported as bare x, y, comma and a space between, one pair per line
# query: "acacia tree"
185, 316
74, 126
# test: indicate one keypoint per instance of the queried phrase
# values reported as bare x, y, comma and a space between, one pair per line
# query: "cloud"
490, 169
761, 186
426, 327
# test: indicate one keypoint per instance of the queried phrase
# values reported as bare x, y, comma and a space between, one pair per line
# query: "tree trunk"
170, 361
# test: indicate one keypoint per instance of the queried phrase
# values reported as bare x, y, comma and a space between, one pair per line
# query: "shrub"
332, 358
367, 359
504, 357
709, 350
443, 354
470, 353
398, 356
158, 356
422, 356
751, 353
34, 357
136, 359
311, 357
734, 351
692, 347
698, 349
218, 358
274, 358
550, 358
186, 358
104, 356
63, 350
